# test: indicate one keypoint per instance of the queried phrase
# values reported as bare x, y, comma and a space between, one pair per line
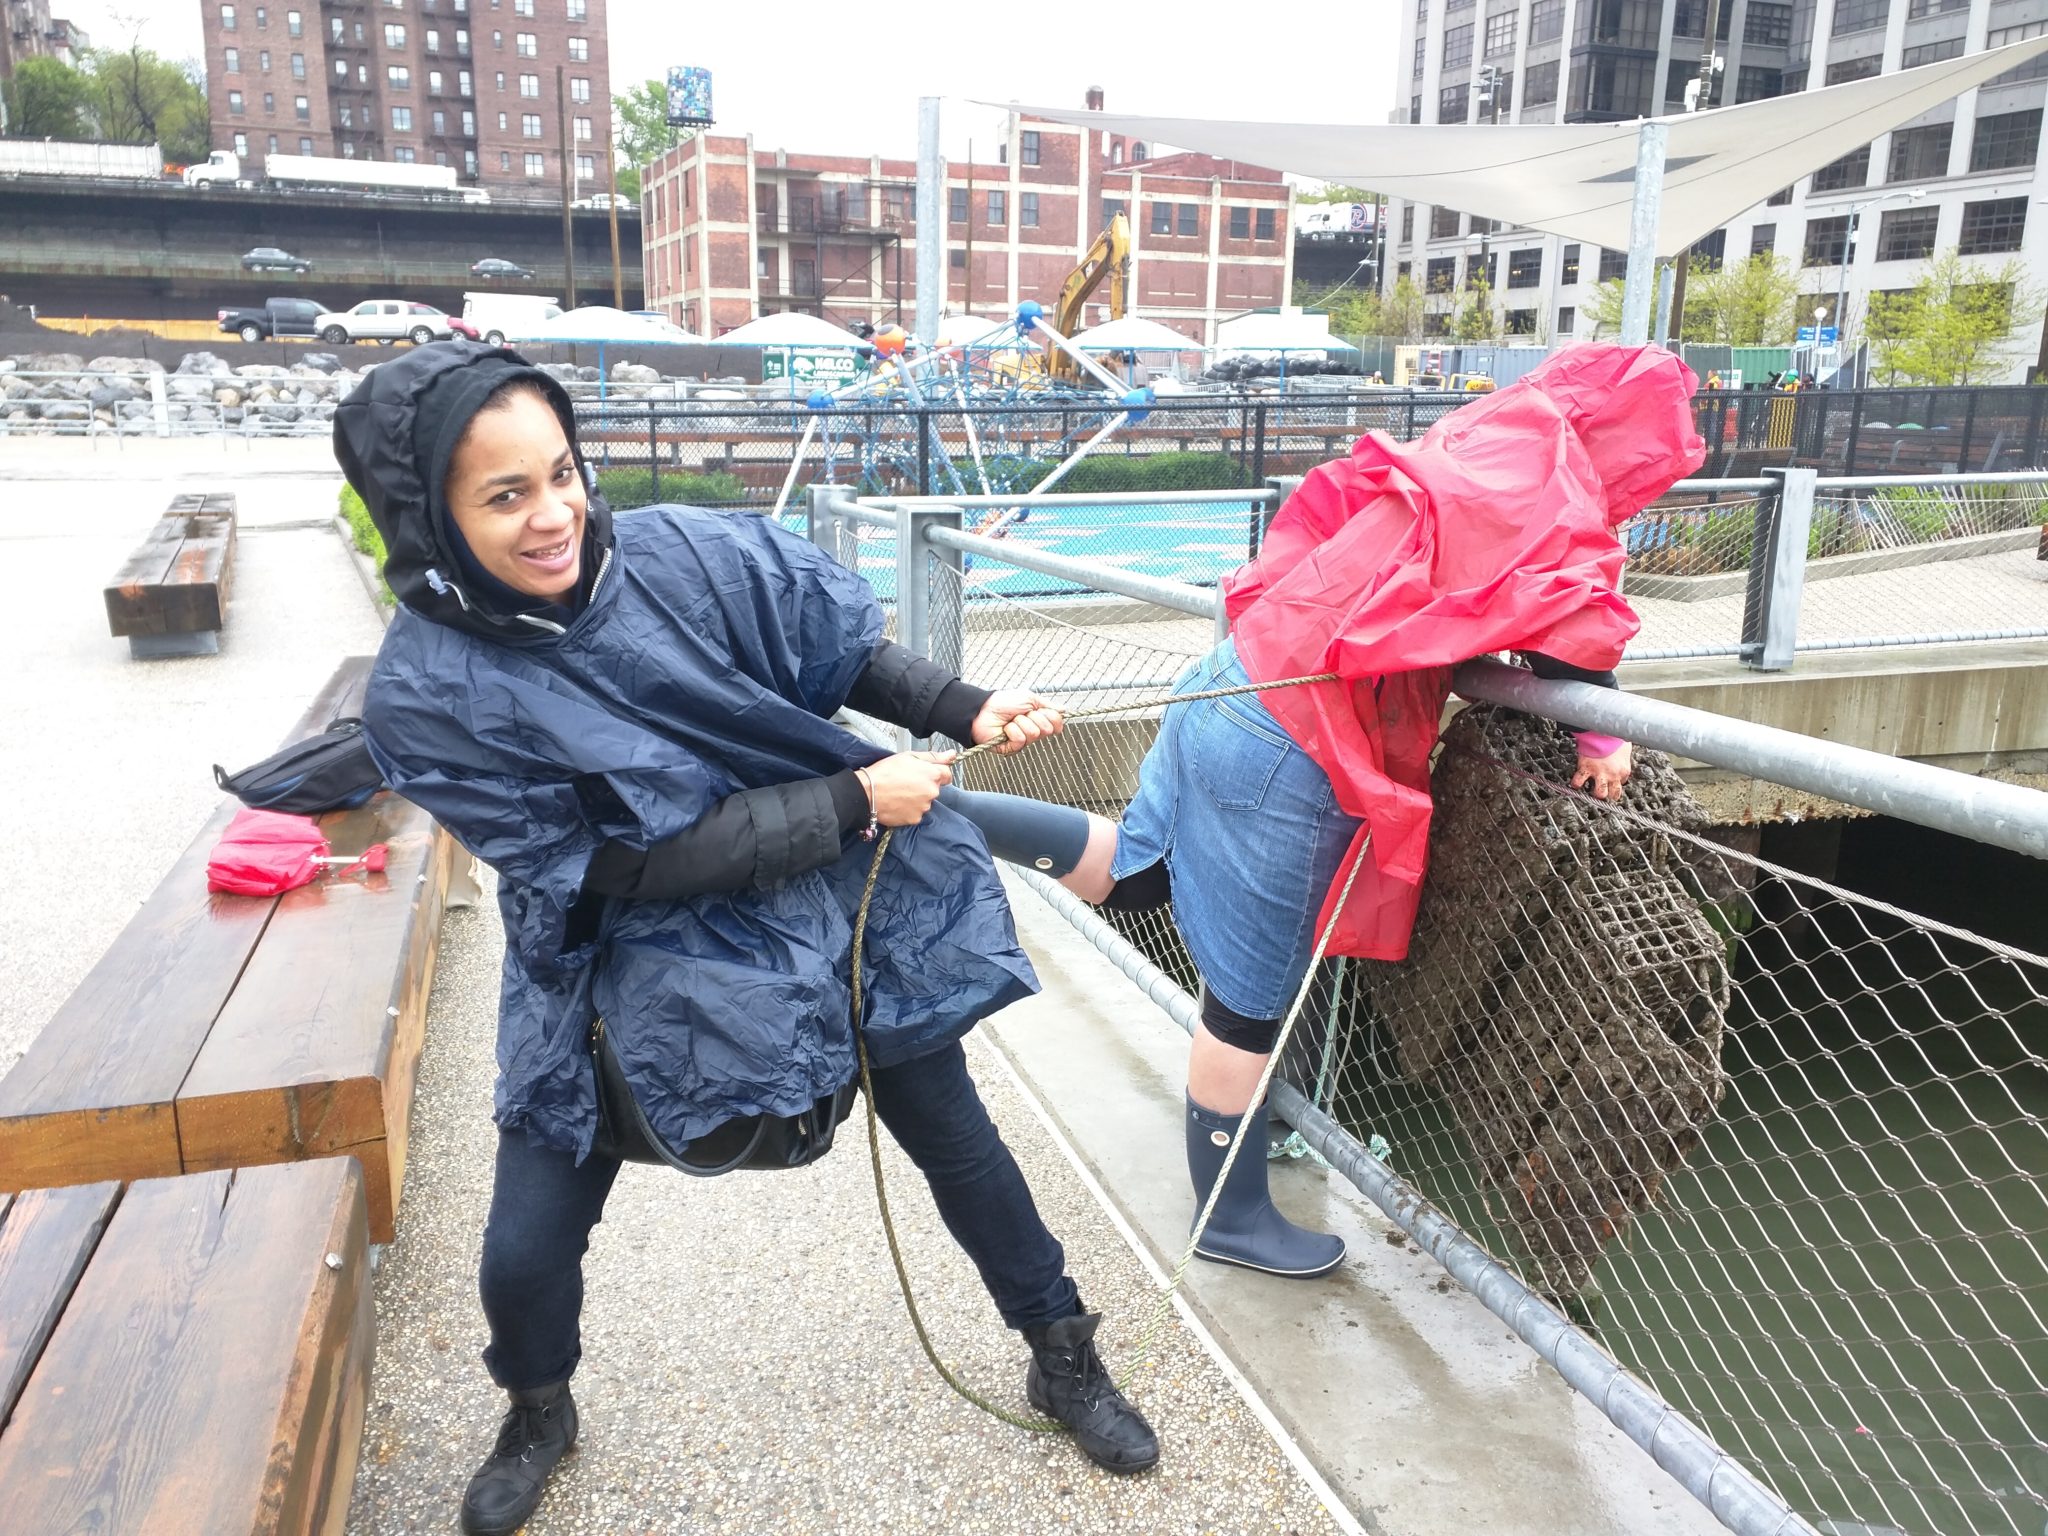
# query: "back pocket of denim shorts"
1234, 759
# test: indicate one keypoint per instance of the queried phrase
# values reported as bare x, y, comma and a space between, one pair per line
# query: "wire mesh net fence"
1775, 1146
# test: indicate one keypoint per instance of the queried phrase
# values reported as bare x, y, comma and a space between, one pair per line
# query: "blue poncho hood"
709, 656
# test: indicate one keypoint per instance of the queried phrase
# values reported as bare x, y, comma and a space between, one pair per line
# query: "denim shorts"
1251, 833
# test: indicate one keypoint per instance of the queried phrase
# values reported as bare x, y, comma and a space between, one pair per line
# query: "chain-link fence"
1775, 1147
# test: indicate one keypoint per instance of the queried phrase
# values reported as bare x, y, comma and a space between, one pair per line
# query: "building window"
1618, 87
579, 10
469, 162
293, 24
348, 149
462, 41
1500, 34
956, 205
1763, 240
1440, 275
1568, 266
298, 66
227, 18
1111, 207
394, 35
235, 103
1027, 210
1825, 241
1162, 218
1525, 268
1907, 234
1859, 15
262, 17
1920, 153
2033, 69
536, 165
270, 103
501, 80
1539, 84
337, 28
1931, 53
263, 60
434, 81
348, 117
1852, 170
999, 208
1779, 198
522, 7
1753, 82
1999, 225
1519, 322
1443, 223
273, 144
529, 45
401, 119
498, 41
469, 125
440, 122
1240, 223
579, 89
583, 129
233, 61
529, 86
1853, 69
504, 159
1028, 146
242, 144
1190, 219
579, 50
1421, 55
1613, 264
2006, 141
464, 84
1262, 224
1546, 21
405, 154
1414, 109
398, 76
341, 68
1457, 47
1567, 320
529, 125
1770, 26
586, 167
1452, 102
503, 122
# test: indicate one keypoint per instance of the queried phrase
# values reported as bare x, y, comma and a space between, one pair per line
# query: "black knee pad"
1234, 1029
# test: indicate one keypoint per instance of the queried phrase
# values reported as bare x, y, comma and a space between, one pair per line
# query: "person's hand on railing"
1605, 762
1016, 717
901, 789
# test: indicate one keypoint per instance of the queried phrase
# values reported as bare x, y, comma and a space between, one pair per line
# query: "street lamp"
1913, 195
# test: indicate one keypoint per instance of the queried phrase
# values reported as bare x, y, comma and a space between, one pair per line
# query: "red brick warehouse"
731, 231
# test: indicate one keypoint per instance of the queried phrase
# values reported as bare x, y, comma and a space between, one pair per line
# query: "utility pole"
611, 160
930, 220
568, 231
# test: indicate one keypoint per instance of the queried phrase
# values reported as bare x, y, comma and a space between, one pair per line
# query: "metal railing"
1751, 1157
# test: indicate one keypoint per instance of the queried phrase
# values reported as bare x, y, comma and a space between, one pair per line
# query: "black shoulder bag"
332, 771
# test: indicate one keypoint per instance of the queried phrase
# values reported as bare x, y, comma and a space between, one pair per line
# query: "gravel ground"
748, 1365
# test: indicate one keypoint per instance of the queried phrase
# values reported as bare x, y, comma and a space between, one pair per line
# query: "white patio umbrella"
600, 323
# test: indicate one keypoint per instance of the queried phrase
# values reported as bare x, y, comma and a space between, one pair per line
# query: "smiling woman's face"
516, 496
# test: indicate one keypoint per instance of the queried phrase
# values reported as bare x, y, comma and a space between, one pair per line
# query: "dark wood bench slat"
92, 1098
46, 1238
202, 1379
176, 582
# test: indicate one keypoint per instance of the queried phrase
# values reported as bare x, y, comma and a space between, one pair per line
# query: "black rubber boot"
1246, 1228
1068, 1382
539, 1430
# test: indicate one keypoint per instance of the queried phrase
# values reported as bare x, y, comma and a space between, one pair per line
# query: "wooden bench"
228, 1031
171, 598
186, 1356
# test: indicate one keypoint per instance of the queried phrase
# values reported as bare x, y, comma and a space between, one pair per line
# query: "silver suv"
385, 321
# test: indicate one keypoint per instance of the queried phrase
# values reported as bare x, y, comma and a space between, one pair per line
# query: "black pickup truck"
277, 317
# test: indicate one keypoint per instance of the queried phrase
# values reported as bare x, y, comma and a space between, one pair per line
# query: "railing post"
931, 628
821, 519
1259, 444
1777, 571
1281, 487
924, 453
159, 405
653, 452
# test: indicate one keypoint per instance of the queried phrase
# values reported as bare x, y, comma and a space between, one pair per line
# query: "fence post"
821, 519
1259, 444
653, 452
159, 405
924, 453
1969, 426
931, 629
1777, 570
1282, 487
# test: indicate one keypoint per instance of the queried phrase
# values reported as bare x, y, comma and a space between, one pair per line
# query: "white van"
503, 317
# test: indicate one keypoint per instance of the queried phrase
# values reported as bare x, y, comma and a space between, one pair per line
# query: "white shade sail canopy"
789, 330
1284, 331
964, 330
1577, 179
1132, 334
600, 322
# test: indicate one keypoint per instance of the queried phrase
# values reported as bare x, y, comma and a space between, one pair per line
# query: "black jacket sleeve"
1551, 670
910, 690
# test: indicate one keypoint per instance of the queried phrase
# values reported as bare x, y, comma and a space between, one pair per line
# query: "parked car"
497, 266
268, 258
463, 328
500, 317
386, 321
276, 317
1471, 383
603, 200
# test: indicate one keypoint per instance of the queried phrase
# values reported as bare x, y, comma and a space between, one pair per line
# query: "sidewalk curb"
366, 569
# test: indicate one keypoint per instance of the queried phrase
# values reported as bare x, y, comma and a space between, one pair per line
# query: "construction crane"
1109, 257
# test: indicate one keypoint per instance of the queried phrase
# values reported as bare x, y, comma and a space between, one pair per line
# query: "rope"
1149, 1337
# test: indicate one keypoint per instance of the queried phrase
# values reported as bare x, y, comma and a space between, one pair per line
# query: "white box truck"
327, 171
81, 161
503, 317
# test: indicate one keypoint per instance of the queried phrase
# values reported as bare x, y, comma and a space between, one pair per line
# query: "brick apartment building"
29, 31
731, 231
466, 83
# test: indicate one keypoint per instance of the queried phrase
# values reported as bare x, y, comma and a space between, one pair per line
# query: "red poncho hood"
1493, 531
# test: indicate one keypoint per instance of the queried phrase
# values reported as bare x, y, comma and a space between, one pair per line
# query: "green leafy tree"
1401, 312
1752, 303
1602, 309
641, 133
1395, 315
1950, 326
1476, 319
136, 96
47, 99
1337, 192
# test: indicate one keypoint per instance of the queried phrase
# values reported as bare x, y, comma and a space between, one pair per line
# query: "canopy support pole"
931, 218
1667, 277
1642, 234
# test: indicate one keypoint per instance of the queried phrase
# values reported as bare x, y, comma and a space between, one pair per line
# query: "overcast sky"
839, 78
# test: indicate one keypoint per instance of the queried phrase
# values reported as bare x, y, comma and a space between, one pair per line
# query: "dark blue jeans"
543, 1207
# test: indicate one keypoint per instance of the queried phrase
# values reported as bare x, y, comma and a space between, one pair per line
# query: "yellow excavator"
1108, 258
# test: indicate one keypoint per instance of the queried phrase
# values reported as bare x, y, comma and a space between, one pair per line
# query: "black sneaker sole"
1120, 1468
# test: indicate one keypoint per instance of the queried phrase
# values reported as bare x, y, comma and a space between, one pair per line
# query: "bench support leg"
204, 642
464, 886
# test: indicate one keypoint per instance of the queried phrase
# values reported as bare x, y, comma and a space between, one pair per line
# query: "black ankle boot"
539, 1430
1068, 1382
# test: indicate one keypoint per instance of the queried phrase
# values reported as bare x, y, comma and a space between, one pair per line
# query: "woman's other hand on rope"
1604, 765
1016, 717
901, 789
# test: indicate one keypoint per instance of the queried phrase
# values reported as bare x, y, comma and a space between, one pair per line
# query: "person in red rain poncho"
1496, 531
